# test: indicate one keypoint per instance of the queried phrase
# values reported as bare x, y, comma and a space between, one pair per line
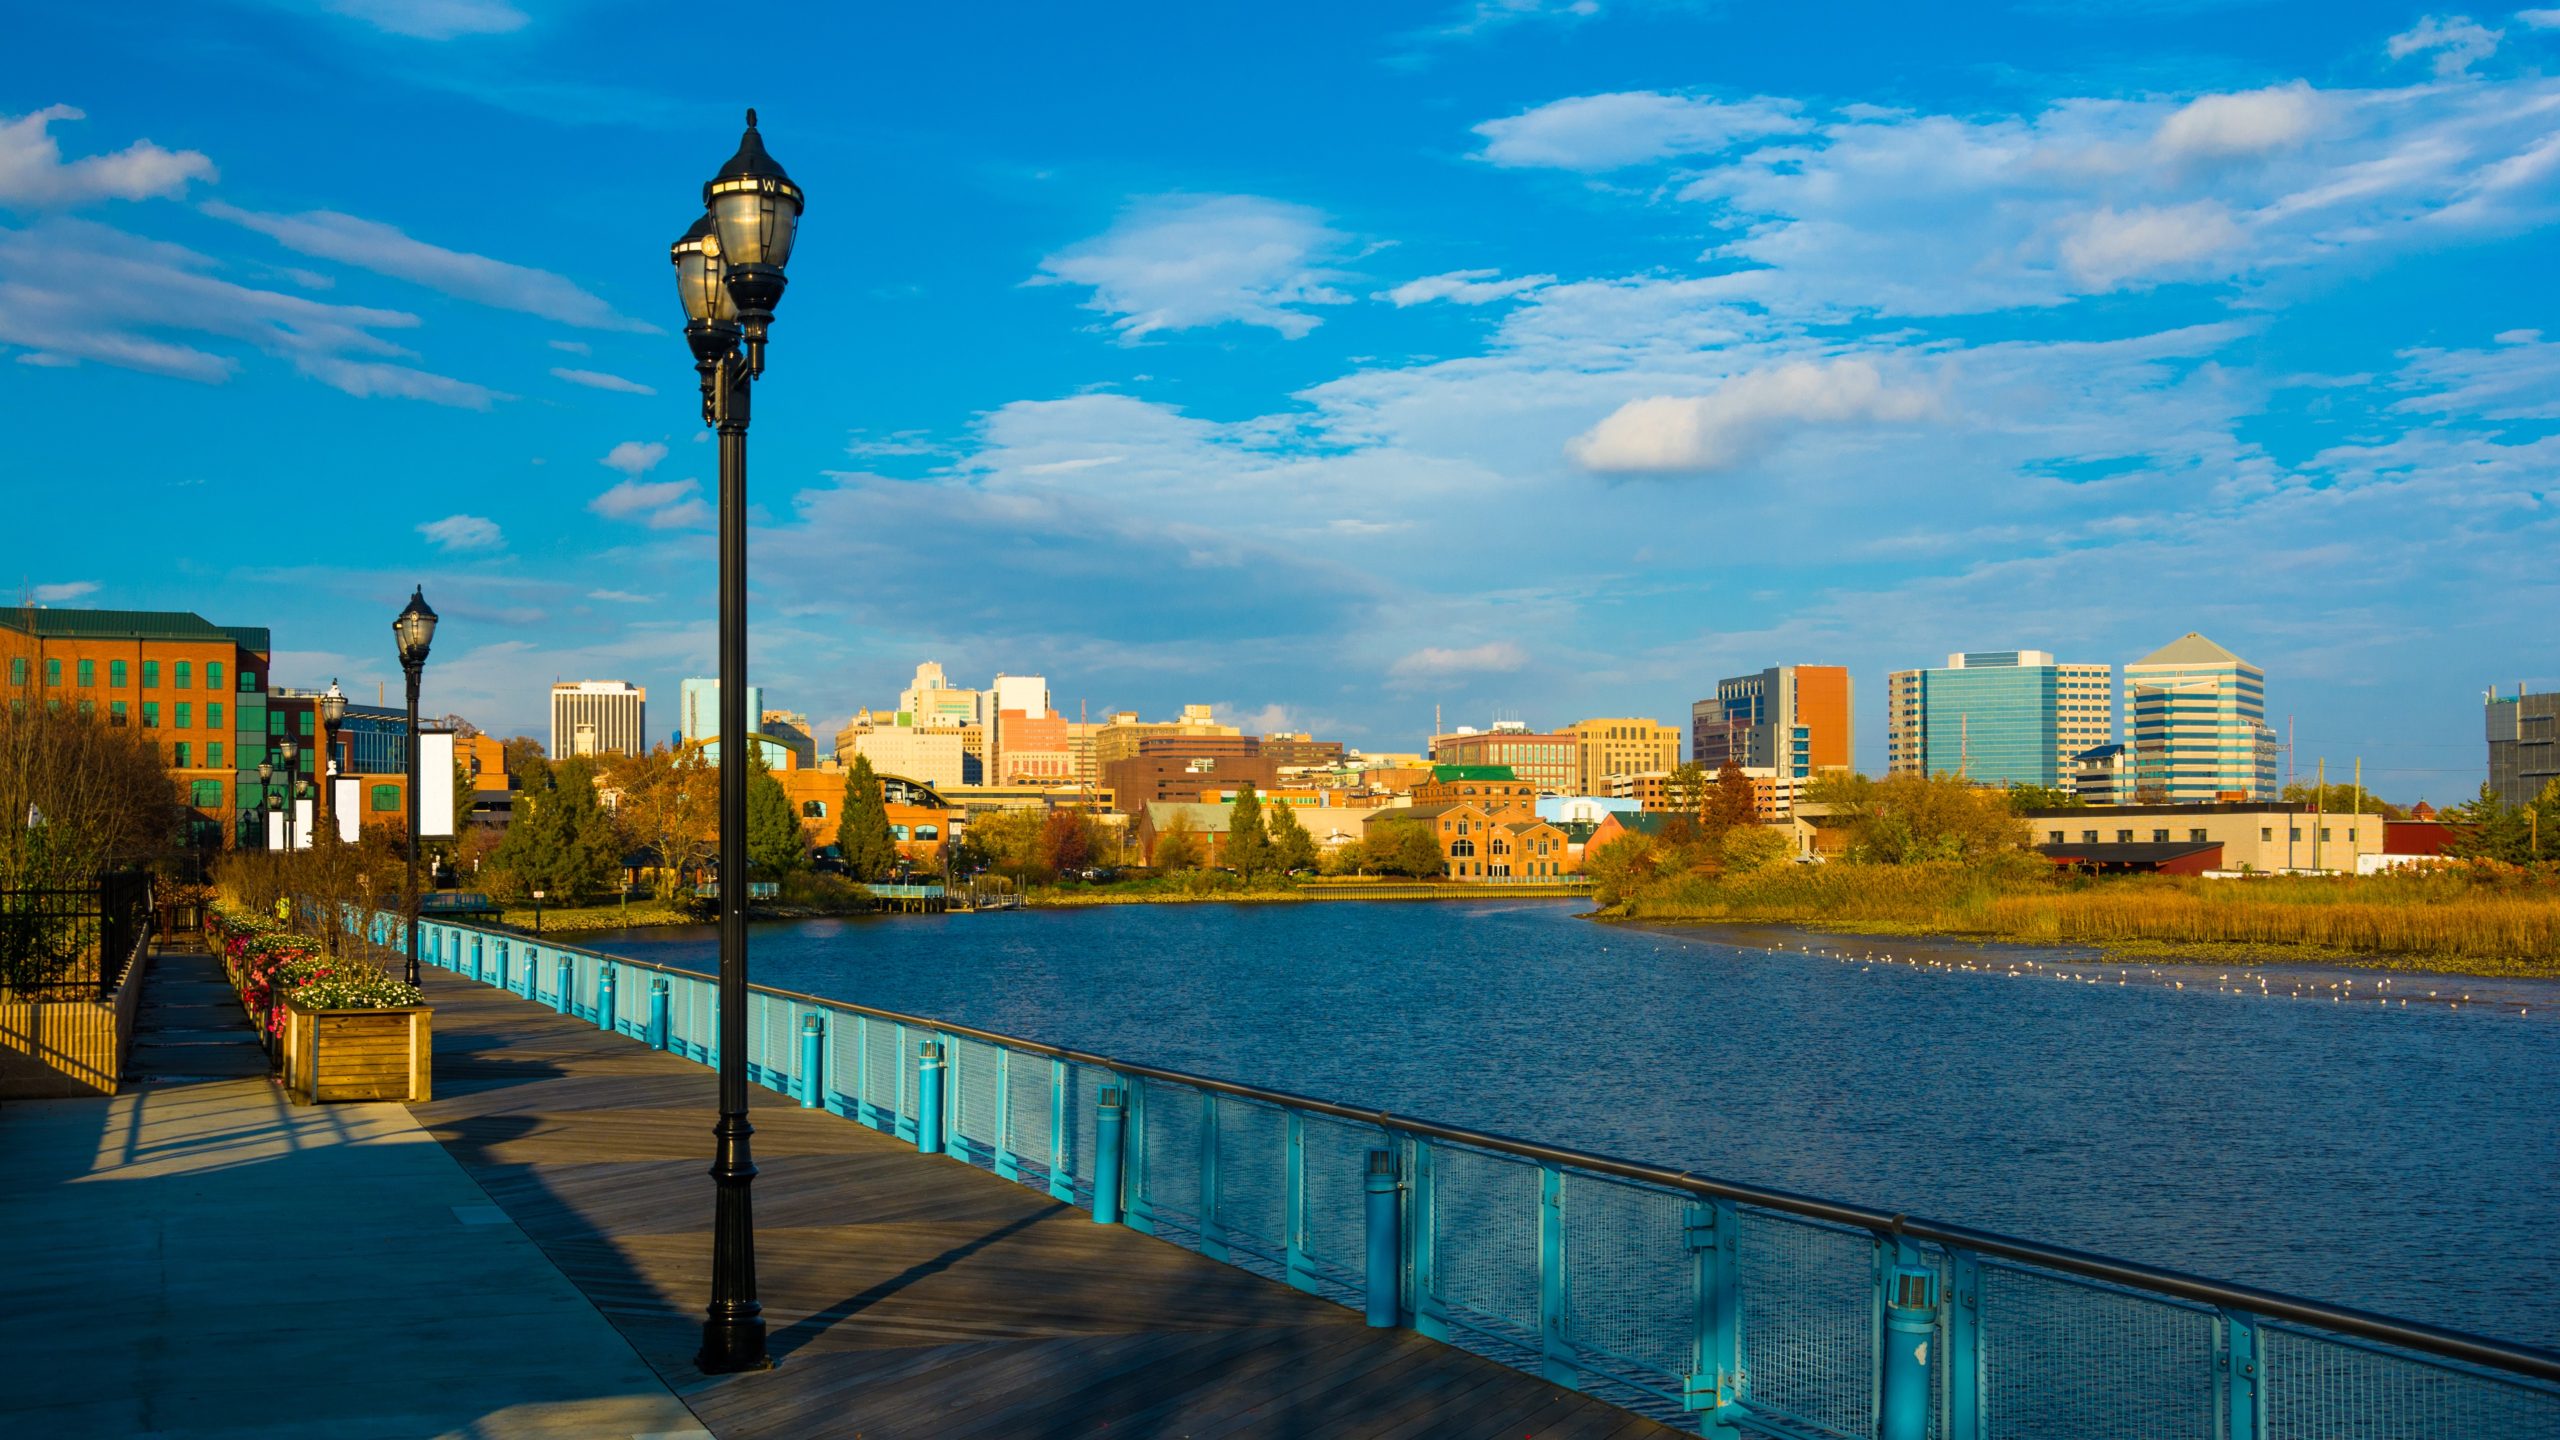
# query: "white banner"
302, 820
435, 783
344, 795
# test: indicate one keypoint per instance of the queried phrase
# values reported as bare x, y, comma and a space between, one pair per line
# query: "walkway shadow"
800, 1332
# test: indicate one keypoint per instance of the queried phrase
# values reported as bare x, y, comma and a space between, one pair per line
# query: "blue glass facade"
1994, 725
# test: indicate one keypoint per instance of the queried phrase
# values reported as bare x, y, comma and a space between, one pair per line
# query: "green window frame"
17, 669
213, 714
179, 756
88, 674
150, 674
248, 680
386, 799
213, 754
186, 717
150, 714
275, 722
213, 674
115, 712
116, 674
183, 675
205, 794
52, 672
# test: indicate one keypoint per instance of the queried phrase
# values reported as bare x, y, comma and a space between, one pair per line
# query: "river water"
2342, 1134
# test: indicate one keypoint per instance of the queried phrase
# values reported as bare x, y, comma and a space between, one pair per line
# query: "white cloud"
33, 174
686, 515
2108, 248
2242, 125
463, 532
66, 590
1461, 287
2518, 380
1607, 132
386, 250
630, 497
600, 380
2455, 40
621, 597
434, 19
1434, 662
1181, 262
634, 458
2539, 19
1726, 426
573, 347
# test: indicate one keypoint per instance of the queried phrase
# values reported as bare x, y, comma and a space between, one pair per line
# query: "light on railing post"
1910, 1320
813, 1039
658, 1013
929, 1098
1109, 1114
1386, 1247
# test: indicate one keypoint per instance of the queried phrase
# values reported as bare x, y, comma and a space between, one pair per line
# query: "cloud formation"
434, 19
1723, 428
1462, 287
600, 380
1610, 132
1434, 662
630, 497
55, 594
463, 532
634, 458
2456, 42
1182, 262
33, 174
387, 250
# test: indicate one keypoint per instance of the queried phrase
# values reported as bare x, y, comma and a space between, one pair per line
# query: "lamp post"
729, 274
414, 629
537, 914
285, 752
332, 708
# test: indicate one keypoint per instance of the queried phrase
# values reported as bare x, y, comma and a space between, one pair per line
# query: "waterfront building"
793, 729
365, 756
1797, 719
920, 820
1496, 788
1186, 768
1551, 763
601, 717
698, 708
2257, 836
934, 702
1571, 810
2196, 720
1620, 746
198, 689
1493, 841
2000, 717
2524, 746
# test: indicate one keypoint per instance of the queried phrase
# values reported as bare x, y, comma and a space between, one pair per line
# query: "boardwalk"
917, 1296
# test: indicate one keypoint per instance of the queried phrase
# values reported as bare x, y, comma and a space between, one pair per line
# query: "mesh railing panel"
1336, 1175
844, 1057
1484, 1232
1167, 1138
1808, 1322
1084, 1091
2062, 1356
1253, 1177
1629, 1286
883, 1084
1027, 1104
2320, 1386
976, 1087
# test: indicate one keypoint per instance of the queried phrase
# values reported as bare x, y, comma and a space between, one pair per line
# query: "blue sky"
1325, 362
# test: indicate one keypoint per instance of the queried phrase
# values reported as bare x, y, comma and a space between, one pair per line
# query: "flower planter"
358, 1054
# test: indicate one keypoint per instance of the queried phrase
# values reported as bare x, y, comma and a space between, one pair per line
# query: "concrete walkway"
196, 1257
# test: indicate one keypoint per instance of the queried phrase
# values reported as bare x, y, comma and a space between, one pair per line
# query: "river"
2342, 1134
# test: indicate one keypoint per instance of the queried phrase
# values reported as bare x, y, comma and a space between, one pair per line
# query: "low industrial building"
2255, 838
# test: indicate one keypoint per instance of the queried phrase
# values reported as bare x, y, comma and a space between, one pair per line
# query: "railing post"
929, 1098
1910, 1319
1422, 1212
2243, 1400
813, 1039
1137, 1210
479, 960
1963, 1365
1300, 1270
1062, 1184
565, 977
1108, 1122
1386, 1248
604, 998
658, 1026
1713, 1231
1556, 1363
1007, 1167
1213, 1236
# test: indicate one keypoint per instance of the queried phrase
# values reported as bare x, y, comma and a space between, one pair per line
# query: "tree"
862, 825
2339, 799
561, 840
528, 764
776, 845
1248, 850
1684, 791
1620, 868
2486, 827
2024, 797
668, 800
1731, 803
1403, 847
1755, 847
1292, 848
1008, 843
1907, 819
1065, 844
1178, 846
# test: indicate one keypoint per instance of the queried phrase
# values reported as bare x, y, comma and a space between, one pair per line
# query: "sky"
1326, 363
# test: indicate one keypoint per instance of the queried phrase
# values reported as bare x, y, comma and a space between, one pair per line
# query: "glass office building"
1997, 717
2196, 717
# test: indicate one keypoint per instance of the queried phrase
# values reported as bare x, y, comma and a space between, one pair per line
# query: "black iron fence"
68, 943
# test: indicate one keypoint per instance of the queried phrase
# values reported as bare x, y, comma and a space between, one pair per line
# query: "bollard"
813, 1036
658, 1013
1109, 1113
1386, 1250
1910, 1317
604, 998
560, 995
506, 976
929, 1098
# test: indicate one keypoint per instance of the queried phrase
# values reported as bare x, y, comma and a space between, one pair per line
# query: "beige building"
2254, 837
932, 701
1116, 736
1622, 747
930, 756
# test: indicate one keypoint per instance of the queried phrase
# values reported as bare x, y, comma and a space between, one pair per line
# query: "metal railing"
1739, 1309
73, 942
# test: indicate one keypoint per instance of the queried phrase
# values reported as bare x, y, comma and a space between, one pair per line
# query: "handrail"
2415, 1335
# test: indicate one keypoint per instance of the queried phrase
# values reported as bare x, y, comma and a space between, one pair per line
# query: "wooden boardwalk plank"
917, 1295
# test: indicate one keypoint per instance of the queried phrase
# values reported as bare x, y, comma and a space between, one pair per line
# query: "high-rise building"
2524, 746
1026, 693
698, 708
1998, 717
1116, 737
793, 730
927, 756
931, 701
1792, 719
2196, 719
598, 717
1552, 763
1621, 747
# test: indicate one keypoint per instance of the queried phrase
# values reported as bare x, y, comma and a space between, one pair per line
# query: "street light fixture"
413, 630
729, 275
332, 708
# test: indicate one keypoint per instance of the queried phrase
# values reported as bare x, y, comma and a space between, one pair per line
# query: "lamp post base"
733, 1325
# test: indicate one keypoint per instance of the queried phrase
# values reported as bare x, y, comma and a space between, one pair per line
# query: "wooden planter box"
358, 1054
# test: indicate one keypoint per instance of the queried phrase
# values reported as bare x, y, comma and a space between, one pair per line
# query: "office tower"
698, 706
597, 717
1792, 719
1998, 717
2196, 719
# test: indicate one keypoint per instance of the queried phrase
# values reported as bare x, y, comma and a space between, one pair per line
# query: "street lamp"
414, 629
285, 752
537, 914
332, 708
729, 274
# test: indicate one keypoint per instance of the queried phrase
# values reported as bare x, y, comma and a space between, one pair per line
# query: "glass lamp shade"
333, 704
700, 276
275, 802
266, 771
285, 749
754, 206
414, 628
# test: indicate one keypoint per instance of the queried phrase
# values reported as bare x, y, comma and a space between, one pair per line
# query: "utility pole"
2319, 799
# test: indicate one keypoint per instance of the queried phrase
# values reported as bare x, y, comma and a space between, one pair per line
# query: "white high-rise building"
598, 717
2196, 720
931, 702
1026, 693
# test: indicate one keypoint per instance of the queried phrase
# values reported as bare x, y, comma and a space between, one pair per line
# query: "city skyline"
1561, 364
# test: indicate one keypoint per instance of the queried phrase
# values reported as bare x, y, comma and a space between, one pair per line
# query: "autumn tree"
1732, 803
1620, 868
1179, 847
1684, 790
1248, 850
1066, 843
1292, 848
1403, 847
1907, 819
668, 800
862, 825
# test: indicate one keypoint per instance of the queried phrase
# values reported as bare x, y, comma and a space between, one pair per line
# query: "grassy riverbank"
2479, 922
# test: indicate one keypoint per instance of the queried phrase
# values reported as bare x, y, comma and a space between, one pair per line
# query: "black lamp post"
285, 752
332, 707
729, 274
414, 628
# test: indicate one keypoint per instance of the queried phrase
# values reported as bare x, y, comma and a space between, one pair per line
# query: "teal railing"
1739, 1310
